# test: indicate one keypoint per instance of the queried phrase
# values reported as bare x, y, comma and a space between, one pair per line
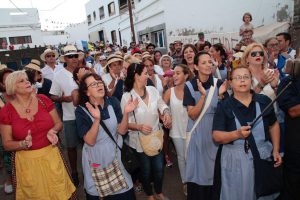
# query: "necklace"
27, 109
144, 95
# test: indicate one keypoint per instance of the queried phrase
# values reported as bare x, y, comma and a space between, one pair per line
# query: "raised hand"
131, 105
94, 110
52, 136
268, 76
114, 76
28, 139
276, 75
201, 88
223, 87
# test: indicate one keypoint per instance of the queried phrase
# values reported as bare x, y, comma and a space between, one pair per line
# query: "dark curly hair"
133, 69
83, 98
75, 72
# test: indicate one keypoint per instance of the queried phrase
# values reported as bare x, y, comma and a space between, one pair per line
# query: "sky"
52, 12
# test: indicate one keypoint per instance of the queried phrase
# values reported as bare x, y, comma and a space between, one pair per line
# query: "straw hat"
34, 64
113, 58
240, 53
2, 66
70, 50
165, 56
43, 55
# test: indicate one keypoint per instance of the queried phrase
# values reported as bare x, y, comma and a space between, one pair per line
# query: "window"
89, 19
159, 38
111, 9
3, 43
124, 5
20, 39
101, 13
94, 14
113, 36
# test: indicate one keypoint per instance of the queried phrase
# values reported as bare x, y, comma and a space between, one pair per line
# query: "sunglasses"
255, 53
73, 56
48, 56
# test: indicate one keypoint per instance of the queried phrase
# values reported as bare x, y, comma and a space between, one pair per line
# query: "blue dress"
201, 152
103, 152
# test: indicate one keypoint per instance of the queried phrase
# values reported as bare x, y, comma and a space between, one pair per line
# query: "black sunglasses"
48, 56
254, 53
73, 56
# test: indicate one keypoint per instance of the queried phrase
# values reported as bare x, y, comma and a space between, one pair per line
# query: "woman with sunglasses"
96, 106
201, 150
237, 171
265, 80
145, 120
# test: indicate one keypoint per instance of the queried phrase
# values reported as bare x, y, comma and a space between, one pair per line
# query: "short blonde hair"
247, 51
11, 81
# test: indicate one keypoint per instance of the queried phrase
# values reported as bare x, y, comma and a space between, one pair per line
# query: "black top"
45, 88
290, 98
188, 99
118, 93
224, 119
84, 122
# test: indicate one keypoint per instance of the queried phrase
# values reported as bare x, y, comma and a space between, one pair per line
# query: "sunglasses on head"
255, 53
48, 56
73, 56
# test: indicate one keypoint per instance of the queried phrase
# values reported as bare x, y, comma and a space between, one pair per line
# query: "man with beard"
177, 56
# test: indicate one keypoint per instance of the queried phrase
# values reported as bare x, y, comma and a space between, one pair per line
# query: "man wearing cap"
150, 48
62, 86
114, 78
50, 56
177, 56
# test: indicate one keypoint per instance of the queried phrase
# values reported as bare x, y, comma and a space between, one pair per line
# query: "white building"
163, 21
19, 28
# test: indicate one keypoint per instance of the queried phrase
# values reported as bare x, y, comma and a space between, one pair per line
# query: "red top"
39, 127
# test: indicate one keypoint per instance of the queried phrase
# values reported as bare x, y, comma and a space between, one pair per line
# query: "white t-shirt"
99, 69
48, 72
179, 117
159, 70
145, 114
63, 83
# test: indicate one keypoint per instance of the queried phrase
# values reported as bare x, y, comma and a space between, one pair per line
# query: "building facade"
163, 21
20, 28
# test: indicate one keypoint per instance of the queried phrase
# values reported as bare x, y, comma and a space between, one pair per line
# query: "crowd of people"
218, 107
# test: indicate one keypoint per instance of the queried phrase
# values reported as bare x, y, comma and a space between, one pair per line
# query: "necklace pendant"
27, 110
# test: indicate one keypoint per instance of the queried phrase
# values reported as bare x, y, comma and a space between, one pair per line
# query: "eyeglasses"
72, 56
239, 78
48, 56
95, 84
254, 53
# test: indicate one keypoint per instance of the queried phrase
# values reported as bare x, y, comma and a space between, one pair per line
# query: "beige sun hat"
43, 55
240, 53
2, 66
70, 50
113, 58
34, 64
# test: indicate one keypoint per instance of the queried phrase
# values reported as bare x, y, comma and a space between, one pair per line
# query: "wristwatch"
260, 86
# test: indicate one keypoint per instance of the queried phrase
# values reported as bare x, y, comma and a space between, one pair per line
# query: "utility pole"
131, 21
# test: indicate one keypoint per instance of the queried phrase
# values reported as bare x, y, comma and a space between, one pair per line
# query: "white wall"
77, 32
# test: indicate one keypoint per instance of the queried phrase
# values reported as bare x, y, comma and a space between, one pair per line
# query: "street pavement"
172, 186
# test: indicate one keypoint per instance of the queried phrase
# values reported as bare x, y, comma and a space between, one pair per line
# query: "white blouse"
145, 114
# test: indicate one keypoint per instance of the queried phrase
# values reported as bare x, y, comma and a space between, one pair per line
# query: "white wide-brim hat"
43, 55
71, 50
34, 64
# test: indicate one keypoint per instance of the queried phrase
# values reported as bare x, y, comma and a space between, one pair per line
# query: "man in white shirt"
62, 86
284, 40
50, 56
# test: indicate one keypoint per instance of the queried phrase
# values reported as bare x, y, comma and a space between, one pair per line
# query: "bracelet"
260, 86
221, 96
166, 111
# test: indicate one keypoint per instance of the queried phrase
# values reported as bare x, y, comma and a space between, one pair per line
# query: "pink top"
39, 127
